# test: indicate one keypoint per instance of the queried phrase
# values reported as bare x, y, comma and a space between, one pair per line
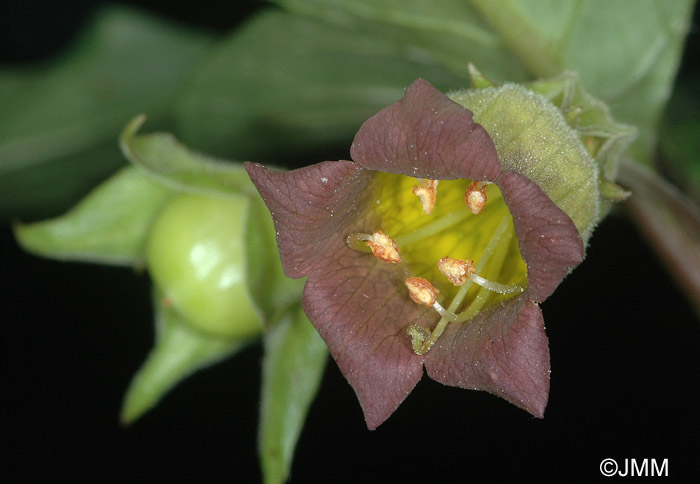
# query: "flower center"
457, 238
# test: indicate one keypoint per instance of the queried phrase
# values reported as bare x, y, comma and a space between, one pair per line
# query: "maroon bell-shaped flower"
427, 250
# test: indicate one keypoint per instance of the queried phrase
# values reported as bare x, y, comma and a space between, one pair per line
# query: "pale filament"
424, 339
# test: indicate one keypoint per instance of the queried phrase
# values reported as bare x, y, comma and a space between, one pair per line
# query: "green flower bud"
196, 257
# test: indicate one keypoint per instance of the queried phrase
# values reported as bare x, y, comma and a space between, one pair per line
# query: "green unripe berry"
196, 256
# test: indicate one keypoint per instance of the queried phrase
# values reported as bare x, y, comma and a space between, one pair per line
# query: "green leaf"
295, 356
49, 189
284, 83
58, 112
450, 31
171, 162
626, 53
179, 351
109, 226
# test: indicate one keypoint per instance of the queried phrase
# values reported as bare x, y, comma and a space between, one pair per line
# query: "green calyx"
556, 134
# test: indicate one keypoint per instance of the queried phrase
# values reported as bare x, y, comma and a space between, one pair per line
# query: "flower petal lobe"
503, 351
311, 207
549, 241
426, 135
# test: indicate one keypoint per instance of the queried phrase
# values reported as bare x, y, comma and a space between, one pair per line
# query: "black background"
625, 350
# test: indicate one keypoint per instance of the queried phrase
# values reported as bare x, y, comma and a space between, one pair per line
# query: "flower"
460, 296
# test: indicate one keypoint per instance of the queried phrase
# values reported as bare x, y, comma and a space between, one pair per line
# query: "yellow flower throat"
426, 224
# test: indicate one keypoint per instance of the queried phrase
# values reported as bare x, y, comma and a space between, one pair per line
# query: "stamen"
499, 237
383, 247
493, 257
496, 286
421, 291
427, 193
451, 317
424, 293
422, 339
458, 271
475, 196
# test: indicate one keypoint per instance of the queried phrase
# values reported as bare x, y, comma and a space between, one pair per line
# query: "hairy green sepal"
556, 134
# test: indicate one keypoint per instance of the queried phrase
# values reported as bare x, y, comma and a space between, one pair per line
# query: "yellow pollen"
456, 270
384, 248
475, 196
427, 193
421, 291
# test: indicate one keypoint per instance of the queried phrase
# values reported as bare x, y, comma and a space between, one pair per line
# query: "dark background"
625, 350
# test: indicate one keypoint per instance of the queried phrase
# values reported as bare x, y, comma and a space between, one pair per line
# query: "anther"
427, 193
383, 247
424, 293
475, 196
421, 291
458, 271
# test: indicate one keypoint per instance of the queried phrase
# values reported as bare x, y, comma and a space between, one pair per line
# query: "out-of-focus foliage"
303, 80
59, 120
626, 53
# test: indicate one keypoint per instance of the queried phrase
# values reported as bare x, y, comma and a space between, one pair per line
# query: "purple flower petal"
357, 303
314, 209
426, 135
549, 241
360, 305
503, 351
359, 308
